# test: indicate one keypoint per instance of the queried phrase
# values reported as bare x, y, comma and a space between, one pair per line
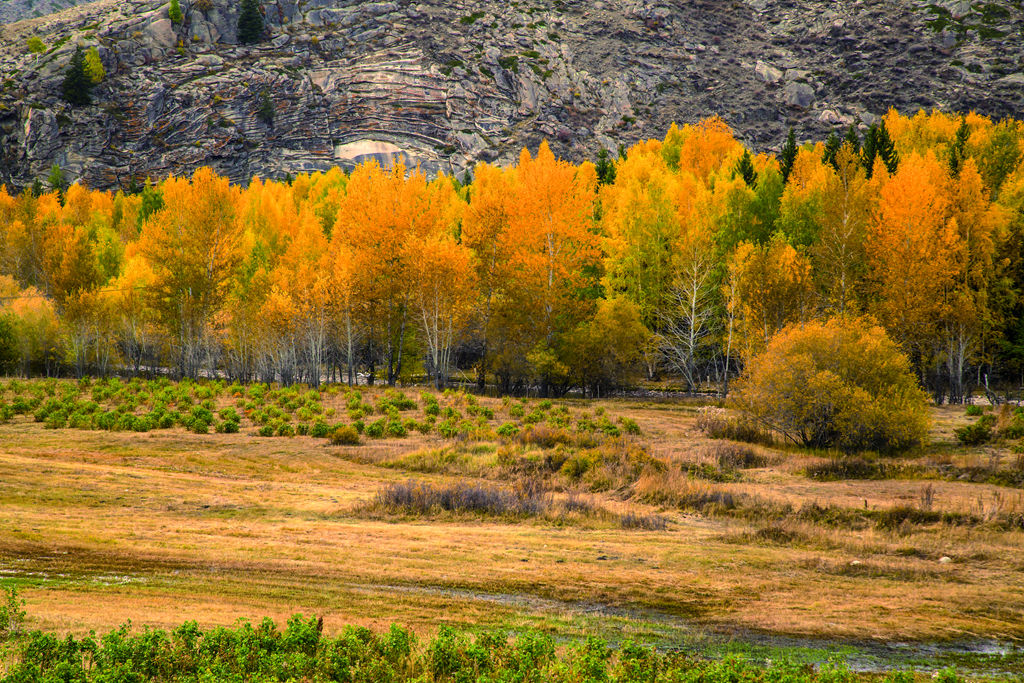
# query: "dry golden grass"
159, 527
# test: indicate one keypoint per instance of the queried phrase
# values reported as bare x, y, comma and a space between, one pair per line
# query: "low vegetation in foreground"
155, 501
303, 652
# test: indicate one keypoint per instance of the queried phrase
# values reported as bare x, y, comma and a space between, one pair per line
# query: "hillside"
450, 83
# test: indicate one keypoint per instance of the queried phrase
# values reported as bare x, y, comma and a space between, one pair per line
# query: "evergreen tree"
958, 151
832, 146
605, 168
250, 22
788, 157
94, 66
886, 149
77, 85
56, 179
745, 168
852, 138
174, 12
870, 149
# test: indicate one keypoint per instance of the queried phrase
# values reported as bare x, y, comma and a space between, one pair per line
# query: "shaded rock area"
448, 83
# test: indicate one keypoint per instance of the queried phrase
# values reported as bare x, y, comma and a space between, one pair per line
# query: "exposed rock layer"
446, 83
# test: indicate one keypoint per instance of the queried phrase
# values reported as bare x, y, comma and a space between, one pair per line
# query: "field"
621, 518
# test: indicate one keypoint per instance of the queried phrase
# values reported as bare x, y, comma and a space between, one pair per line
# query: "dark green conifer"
250, 22
958, 150
745, 168
886, 149
852, 138
870, 150
605, 168
788, 157
832, 146
77, 86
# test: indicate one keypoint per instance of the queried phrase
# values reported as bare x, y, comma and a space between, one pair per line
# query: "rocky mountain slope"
446, 83
16, 10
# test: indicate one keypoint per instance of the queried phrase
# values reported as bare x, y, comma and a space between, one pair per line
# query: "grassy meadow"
158, 502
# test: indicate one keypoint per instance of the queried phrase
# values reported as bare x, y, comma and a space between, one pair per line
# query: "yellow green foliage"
840, 383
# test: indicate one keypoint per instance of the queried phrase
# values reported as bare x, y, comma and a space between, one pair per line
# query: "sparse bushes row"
302, 651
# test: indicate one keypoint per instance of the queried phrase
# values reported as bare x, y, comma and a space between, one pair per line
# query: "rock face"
447, 83
16, 10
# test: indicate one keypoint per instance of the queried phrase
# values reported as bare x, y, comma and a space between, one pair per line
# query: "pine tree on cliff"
77, 84
250, 22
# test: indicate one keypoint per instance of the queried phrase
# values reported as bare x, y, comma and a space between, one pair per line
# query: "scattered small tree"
250, 22
836, 384
35, 46
175, 13
77, 86
94, 66
265, 112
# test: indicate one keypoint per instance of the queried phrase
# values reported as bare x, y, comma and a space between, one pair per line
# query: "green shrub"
345, 436
976, 433
629, 426
320, 430
200, 426
508, 430
266, 430
302, 429
974, 411
376, 428
285, 429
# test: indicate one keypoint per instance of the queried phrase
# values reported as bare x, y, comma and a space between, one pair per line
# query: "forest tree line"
681, 258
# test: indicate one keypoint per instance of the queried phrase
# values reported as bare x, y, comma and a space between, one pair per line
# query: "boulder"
798, 95
161, 33
767, 73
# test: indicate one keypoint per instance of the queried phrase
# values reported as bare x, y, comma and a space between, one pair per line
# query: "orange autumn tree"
910, 248
485, 228
556, 252
192, 246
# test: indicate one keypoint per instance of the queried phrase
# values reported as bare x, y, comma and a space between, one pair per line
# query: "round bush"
841, 383
345, 436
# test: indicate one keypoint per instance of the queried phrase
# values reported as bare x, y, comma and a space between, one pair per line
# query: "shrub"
629, 426
228, 427
974, 411
422, 498
376, 428
266, 430
285, 429
976, 433
544, 436
633, 520
320, 430
345, 436
508, 430
840, 383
